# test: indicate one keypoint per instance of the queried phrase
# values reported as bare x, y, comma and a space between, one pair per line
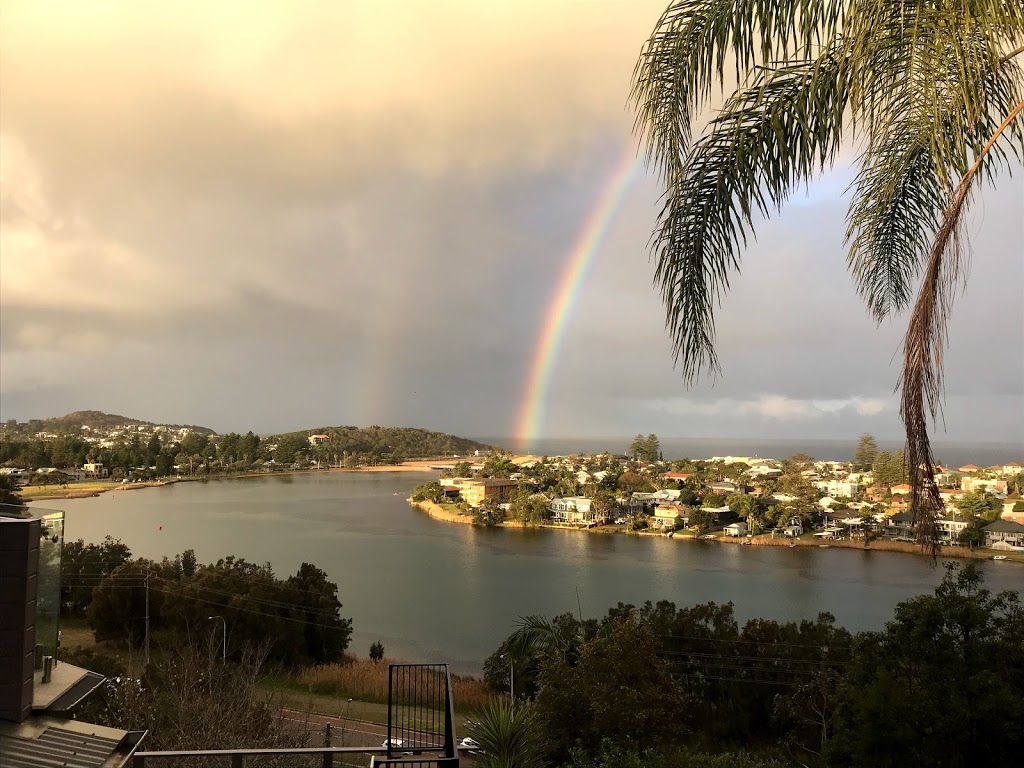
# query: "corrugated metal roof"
57, 747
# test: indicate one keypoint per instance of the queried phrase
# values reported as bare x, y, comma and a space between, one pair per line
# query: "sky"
277, 216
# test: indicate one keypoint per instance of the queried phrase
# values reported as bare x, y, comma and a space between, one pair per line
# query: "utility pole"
146, 615
224, 641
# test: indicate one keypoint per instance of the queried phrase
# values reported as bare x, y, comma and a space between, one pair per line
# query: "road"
345, 732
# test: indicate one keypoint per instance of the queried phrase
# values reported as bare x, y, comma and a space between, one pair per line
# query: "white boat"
998, 557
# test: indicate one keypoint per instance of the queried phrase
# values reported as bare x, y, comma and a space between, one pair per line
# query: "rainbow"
585, 247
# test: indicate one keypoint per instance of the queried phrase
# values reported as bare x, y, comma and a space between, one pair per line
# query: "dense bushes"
942, 684
297, 618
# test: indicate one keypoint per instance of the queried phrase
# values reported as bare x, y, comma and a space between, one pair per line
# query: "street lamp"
511, 676
224, 643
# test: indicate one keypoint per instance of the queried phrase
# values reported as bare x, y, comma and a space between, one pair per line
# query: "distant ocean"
948, 452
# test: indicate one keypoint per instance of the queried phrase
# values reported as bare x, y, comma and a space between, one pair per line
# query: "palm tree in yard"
928, 91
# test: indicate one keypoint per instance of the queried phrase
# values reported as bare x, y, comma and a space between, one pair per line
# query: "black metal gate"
421, 717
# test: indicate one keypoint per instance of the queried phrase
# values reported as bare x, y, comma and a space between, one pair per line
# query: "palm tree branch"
926, 338
900, 192
769, 137
690, 47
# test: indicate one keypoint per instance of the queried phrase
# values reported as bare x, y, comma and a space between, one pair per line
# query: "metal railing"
421, 717
235, 758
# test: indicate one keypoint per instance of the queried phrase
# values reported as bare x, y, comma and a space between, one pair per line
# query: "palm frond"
769, 137
893, 218
693, 42
537, 635
507, 734
926, 338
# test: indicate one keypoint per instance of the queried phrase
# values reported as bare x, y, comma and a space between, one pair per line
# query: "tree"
865, 454
702, 520
889, 468
645, 448
9, 493
981, 505
83, 566
376, 651
462, 469
930, 91
951, 688
621, 689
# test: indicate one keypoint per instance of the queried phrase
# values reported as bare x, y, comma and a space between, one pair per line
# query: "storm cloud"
310, 214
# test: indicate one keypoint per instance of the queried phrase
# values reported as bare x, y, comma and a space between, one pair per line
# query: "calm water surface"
445, 592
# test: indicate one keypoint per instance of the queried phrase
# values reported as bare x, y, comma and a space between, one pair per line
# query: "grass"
69, 491
75, 634
327, 688
368, 681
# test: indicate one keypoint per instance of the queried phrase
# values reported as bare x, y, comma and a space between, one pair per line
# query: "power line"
751, 642
238, 608
86, 581
229, 606
267, 601
783, 659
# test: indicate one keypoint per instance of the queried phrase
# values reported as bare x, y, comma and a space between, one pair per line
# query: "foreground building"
38, 693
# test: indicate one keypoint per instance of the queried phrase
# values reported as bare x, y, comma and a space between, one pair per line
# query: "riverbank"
85, 490
88, 489
437, 512
878, 545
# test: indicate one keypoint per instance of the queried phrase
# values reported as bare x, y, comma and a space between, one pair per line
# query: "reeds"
368, 681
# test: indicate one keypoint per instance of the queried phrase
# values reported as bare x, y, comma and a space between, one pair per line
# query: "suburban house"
1013, 468
680, 476
950, 526
667, 516
900, 527
794, 529
968, 468
847, 488
666, 496
735, 529
93, 469
315, 440
949, 495
978, 484
1008, 504
725, 488
571, 509
901, 489
1004, 534
475, 489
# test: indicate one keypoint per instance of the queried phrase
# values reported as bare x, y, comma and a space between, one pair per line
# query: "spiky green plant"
508, 736
928, 91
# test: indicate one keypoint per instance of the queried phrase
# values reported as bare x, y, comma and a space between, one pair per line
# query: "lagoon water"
445, 592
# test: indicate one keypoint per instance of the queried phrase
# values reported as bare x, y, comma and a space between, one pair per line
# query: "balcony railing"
420, 732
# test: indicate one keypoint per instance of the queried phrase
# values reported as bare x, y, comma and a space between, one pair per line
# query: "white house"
735, 529
950, 526
847, 488
571, 509
666, 496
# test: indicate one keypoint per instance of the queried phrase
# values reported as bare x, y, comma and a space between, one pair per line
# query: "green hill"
395, 442
99, 421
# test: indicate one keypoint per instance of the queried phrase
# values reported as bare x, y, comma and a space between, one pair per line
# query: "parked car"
393, 744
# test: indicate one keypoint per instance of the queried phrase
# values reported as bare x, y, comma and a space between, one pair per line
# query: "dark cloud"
247, 239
